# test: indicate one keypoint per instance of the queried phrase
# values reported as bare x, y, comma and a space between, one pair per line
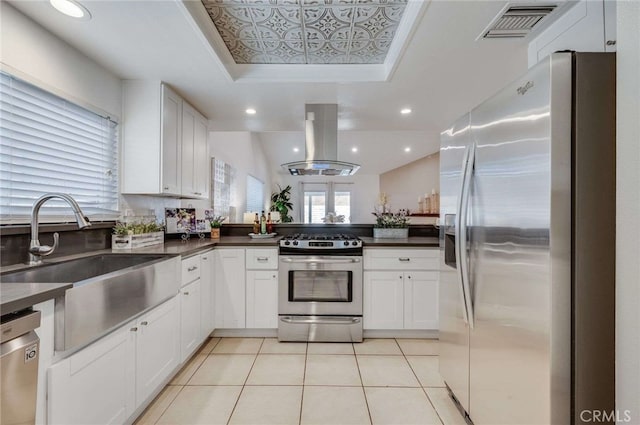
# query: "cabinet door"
188, 123
157, 347
189, 319
207, 293
171, 142
262, 299
421, 300
230, 288
200, 157
95, 385
383, 300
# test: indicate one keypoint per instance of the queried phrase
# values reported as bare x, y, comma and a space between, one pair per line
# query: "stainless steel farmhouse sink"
108, 290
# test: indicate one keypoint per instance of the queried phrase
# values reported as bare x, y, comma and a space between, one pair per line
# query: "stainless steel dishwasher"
19, 347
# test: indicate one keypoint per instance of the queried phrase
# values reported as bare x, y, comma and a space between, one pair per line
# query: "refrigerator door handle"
458, 238
464, 213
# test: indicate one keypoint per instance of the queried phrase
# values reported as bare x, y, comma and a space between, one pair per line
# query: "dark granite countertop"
16, 296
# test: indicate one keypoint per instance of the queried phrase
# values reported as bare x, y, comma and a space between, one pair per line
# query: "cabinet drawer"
262, 259
190, 269
401, 259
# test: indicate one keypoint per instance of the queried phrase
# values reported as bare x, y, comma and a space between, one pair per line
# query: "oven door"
320, 285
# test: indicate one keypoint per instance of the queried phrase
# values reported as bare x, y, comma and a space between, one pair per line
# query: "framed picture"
180, 220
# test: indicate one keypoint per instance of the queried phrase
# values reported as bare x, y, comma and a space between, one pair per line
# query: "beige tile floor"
259, 381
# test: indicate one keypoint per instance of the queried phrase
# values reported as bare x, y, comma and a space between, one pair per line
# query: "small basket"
390, 232
136, 241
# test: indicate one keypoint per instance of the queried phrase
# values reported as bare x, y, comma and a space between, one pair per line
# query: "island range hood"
321, 145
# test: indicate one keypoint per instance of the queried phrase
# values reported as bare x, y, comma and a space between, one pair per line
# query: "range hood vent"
517, 21
321, 145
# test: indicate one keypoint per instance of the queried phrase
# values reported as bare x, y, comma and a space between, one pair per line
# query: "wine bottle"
263, 223
256, 225
269, 224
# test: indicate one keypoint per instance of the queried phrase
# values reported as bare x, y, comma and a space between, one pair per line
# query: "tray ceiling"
306, 31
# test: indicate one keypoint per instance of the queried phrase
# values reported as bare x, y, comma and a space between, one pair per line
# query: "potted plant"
281, 202
128, 235
216, 223
391, 225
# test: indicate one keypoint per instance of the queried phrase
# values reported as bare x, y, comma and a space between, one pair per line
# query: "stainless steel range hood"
321, 144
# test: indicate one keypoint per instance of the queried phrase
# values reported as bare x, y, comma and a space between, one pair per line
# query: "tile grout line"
366, 401
304, 376
168, 405
418, 379
245, 381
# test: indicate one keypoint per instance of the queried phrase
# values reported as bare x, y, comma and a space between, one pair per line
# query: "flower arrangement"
389, 220
216, 222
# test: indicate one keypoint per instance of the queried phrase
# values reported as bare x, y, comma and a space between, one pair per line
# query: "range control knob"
354, 243
295, 243
346, 243
287, 243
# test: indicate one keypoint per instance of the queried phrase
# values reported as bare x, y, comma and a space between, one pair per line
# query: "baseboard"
245, 333
401, 333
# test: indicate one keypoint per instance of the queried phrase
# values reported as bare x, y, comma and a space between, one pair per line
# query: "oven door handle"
320, 260
321, 321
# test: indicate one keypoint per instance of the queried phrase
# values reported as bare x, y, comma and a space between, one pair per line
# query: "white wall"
243, 151
364, 192
32, 53
403, 185
628, 211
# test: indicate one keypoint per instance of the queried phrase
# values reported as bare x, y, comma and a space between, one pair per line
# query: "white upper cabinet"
588, 26
164, 147
194, 153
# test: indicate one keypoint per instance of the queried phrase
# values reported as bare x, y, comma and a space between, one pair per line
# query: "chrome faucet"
36, 251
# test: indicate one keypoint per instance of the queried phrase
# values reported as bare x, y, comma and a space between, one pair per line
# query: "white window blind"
48, 144
255, 194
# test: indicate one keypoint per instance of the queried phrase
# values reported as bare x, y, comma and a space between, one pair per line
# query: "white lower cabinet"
394, 295
262, 299
96, 385
230, 288
190, 335
207, 295
421, 300
383, 294
105, 382
157, 347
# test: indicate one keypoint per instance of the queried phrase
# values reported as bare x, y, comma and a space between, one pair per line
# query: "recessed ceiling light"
71, 8
354, 149
405, 111
250, 111
296, 150
407, 149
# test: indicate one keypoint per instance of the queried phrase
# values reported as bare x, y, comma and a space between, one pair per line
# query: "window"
223, 194
51, 145
255, 194
319, 199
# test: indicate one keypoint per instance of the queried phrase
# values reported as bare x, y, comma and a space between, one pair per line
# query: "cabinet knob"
409, 277
262, 259
186, 293
274, 276
134, 329
145, 323
400, 277
165, 188
190, 269
404, 259
611, 42
205, 258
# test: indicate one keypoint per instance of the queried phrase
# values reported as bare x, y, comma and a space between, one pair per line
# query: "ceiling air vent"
517, 21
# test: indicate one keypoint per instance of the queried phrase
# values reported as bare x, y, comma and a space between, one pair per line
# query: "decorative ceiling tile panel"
307, 31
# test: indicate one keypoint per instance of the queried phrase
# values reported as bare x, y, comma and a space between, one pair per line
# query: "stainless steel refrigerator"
527, 299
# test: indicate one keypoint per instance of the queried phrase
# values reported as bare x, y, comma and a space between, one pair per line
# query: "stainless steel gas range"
320, 288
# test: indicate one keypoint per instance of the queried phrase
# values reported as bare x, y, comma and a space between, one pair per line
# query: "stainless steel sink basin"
108, 290
80, 269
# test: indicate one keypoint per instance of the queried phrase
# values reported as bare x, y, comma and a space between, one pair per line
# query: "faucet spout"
37, 251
